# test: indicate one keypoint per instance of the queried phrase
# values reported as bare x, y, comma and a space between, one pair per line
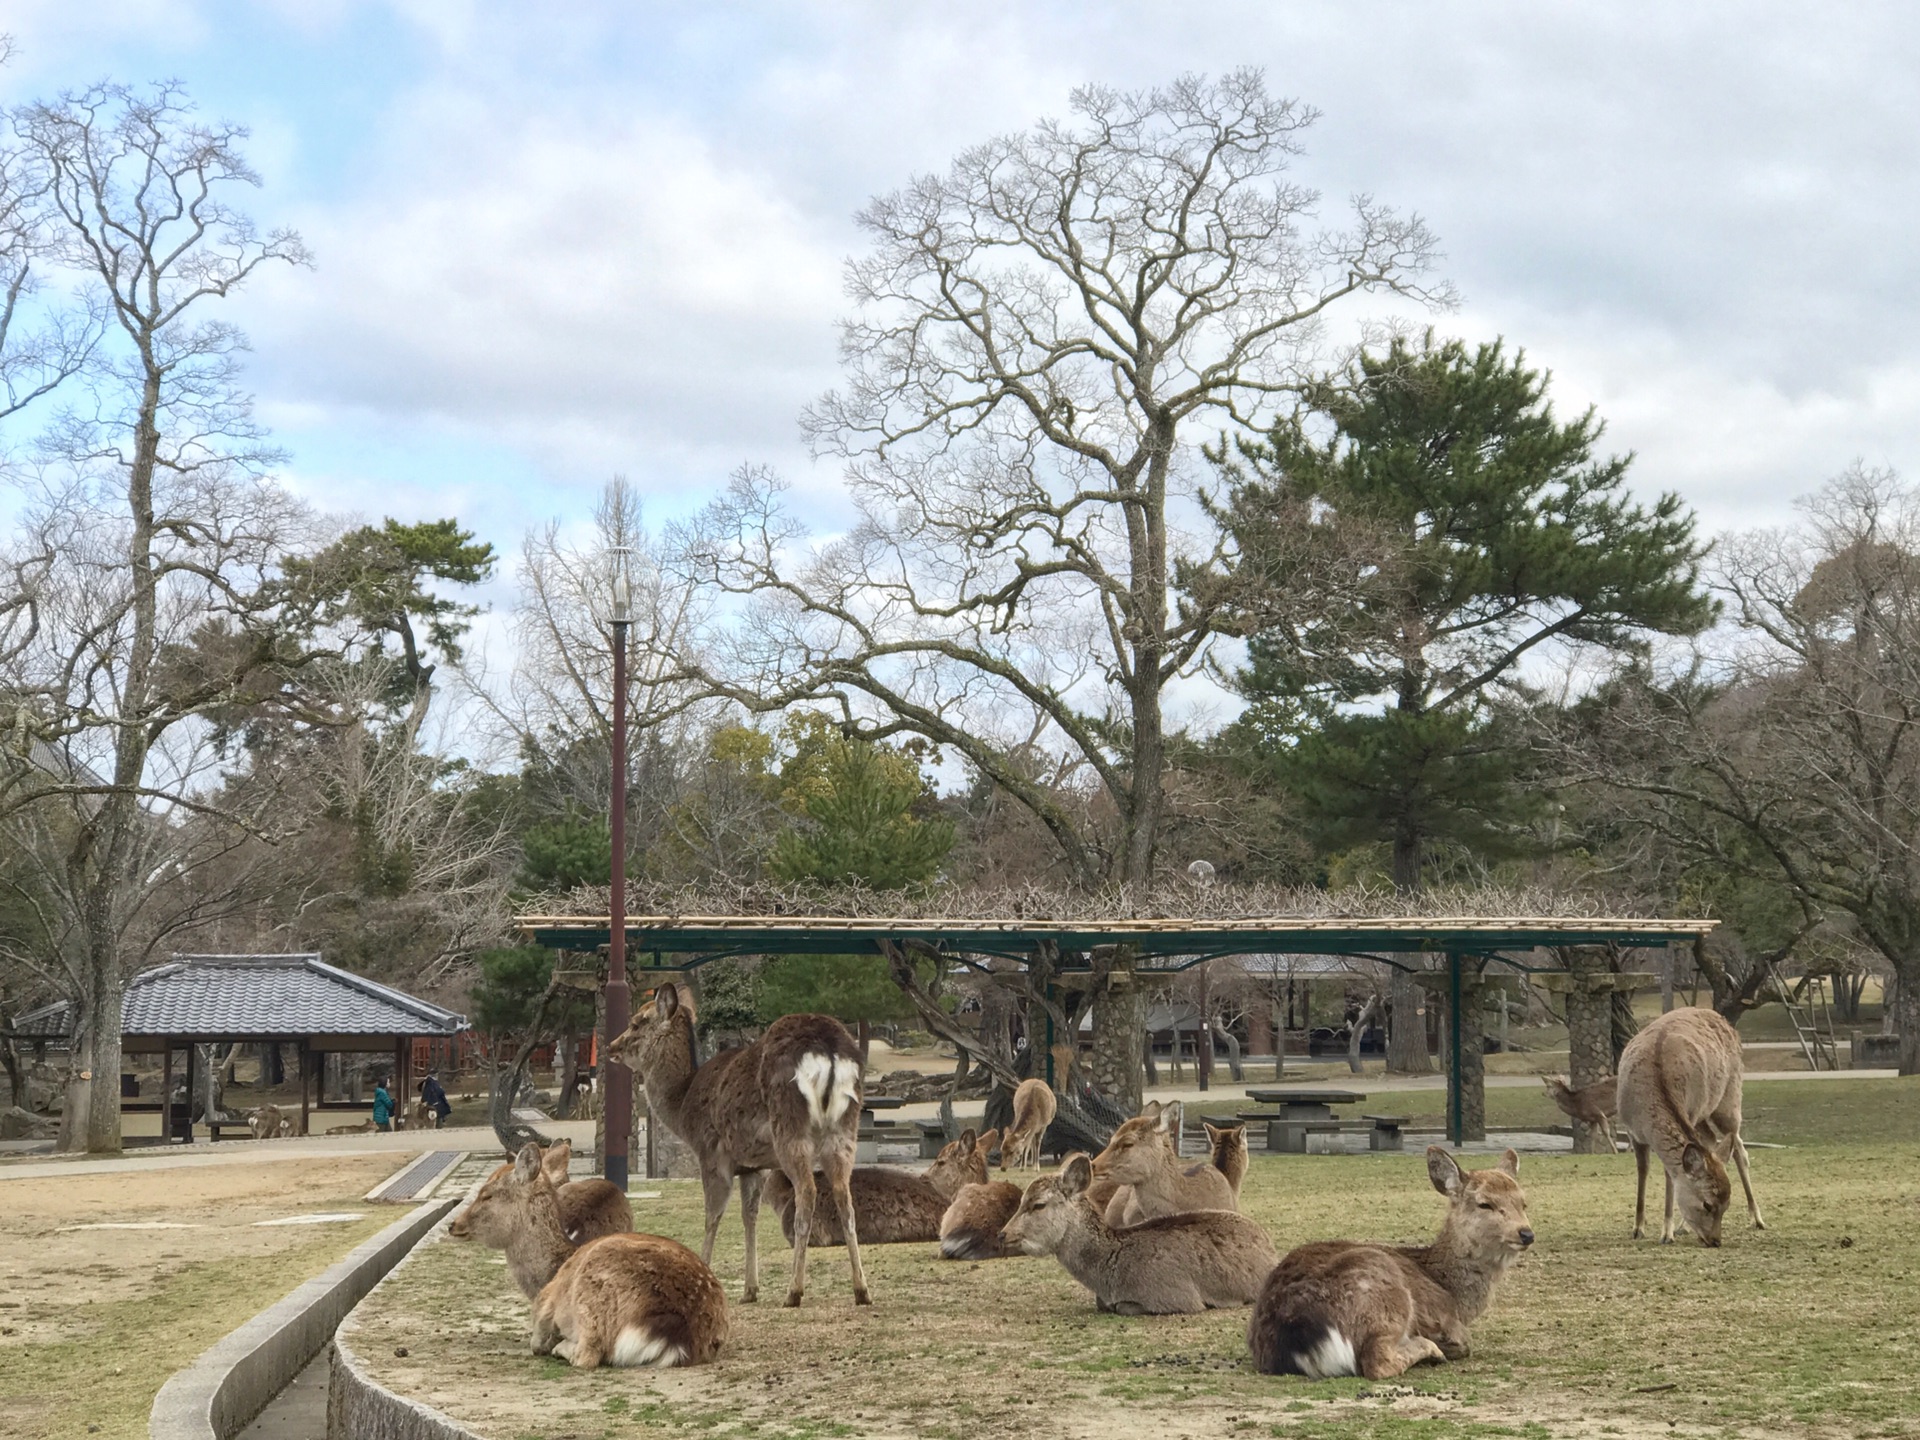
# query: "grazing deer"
1034, 1107
619, 1299
790, 1101
1152, 1181
970, 1226
1341, 1308
1170, 1265
1591, 1104
1679, 1096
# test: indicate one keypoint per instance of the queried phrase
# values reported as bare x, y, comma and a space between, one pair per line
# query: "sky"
556, 242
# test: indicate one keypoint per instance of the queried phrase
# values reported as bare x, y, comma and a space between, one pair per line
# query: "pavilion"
295, 999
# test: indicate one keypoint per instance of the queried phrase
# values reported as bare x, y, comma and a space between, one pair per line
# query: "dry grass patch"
1807, 1329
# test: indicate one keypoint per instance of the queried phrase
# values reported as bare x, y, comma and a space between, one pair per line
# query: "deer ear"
526, 1164
968, 1140
1214, 1132
1170, 1118
1076, 1174
666, 1000
1150, 1110
1693, 1160
1510, 1162
1444, 1171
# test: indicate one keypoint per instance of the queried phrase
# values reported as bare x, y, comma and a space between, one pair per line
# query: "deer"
1679, 1096
1034, 1107
267, 1121
1152, 1181
1338, 1307
588, 1208
1591, 1104
790, 1101
1170, 1265
619, 1299
1227, 1148
970, 1227
890, 1206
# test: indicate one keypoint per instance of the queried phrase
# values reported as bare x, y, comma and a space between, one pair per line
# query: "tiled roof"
234, 996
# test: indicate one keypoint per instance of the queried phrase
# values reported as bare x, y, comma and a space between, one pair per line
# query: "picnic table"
1297, 1114
872, 1128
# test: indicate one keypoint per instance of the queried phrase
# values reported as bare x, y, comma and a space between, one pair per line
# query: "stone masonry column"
1119, 1021
1589, 1032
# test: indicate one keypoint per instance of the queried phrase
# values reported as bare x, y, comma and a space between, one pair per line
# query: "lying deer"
1679, 1096
1591, 1104
890, 1206
616, 1300
1152, 1181
588, 1208
1341, 1308
970, 1227
1171, 1265
1034, 1107
789, 1101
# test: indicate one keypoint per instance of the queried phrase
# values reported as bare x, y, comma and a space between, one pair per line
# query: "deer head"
1702, 1191
1139, 1148
960, 1162
506, 1203
1050, 1208
661, 1031
1487, 1220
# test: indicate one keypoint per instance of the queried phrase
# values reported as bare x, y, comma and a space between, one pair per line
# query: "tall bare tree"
147, 569
1042, 336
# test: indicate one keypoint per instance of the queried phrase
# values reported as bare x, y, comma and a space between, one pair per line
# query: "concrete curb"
361, 1408
217, 1395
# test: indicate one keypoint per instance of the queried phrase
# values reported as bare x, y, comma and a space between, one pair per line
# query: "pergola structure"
1465, 945
294, 999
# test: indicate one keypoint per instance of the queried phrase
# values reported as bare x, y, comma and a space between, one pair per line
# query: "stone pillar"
1589, 1032
1466, 1067
1119, 1023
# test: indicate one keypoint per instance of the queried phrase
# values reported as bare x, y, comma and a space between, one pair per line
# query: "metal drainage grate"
418, 1178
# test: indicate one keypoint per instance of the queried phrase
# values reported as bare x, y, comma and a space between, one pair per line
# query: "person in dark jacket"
435, 1099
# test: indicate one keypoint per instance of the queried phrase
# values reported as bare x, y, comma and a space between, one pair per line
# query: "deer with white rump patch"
1341, 1308
790, 1101
1171, 1265
1679, 1096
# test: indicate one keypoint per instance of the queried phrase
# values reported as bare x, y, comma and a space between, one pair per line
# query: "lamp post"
617, 1081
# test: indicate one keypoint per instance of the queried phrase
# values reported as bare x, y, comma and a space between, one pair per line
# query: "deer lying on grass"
588, 1208
1591, 1104
1170, 1265
1679, 1095
970, 1227
617, 1300
1034, 1107
1152, 1180
789, 1101
1341, 1308
890, 1206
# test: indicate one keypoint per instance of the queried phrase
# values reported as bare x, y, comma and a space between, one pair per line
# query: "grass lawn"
1811, 1328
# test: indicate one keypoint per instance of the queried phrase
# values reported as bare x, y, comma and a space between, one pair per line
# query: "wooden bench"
1385, 1134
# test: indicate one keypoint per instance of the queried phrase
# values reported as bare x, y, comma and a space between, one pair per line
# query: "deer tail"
830, 1084
1304, 1342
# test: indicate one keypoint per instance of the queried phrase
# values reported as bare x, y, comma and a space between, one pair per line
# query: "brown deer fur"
970, 1227
1679, 1096
588, 1208
890, 1206
790, 1101
1153, 1181
1591, 1104
1034, 1107
1341, 1308
1170, 1265
1228, 1151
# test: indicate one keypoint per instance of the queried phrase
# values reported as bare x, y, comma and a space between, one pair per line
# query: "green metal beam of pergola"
1162, 944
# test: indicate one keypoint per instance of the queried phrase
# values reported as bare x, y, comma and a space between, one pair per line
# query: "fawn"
1593, 1104
970, 1227
789, 1101
1679, 1096
1342, 1308
1034, 1107
1152, 1181
1170, 1265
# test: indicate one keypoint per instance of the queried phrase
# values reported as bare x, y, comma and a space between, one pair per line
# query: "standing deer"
790, 1101
1591, 1104
617, 1300
1172, 1265
1034, 1107
1152, 1180
1679, 1096
891, 1206
1341, 1308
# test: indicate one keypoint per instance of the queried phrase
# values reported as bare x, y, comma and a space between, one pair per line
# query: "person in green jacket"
382, 1105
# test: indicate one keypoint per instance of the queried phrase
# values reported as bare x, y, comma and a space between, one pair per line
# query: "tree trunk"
1407, 1052
1356, 1032
1473, 1059
1906, 1008
1232, 1043
569, 1076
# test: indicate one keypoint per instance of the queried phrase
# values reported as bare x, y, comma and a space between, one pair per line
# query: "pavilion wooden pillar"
166, 1091
402, 1078
193, 1067
307, 1067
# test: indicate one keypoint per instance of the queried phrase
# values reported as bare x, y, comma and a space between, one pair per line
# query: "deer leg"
799, 1168
1640, 1195
750, 1184
839, 1170
1746, 1181
715, 1184
1666, 1230
546, 1334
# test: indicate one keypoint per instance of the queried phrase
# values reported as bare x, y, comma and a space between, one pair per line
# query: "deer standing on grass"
1591, 1104
890, 1206
617, 1300
1034, 1107
790, 1101
1170, 1265
1152, 1180
970, 1227
1341, 1308
1679, 1096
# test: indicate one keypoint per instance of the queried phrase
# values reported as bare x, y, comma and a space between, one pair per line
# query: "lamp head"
621, 612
